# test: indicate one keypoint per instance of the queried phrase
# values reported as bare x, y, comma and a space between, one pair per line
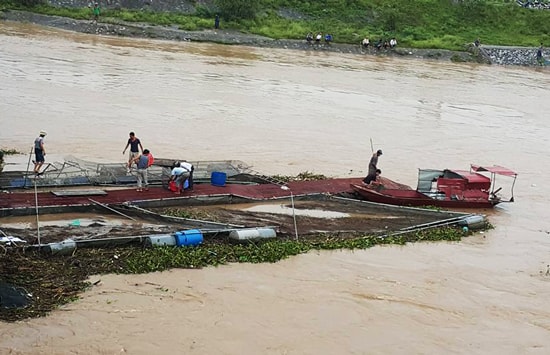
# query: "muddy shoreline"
227, 37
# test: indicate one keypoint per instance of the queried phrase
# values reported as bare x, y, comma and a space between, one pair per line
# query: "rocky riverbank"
487, 54
511, 55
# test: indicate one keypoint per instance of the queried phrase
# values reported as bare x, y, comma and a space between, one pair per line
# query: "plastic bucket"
252, 234
189, 237
172, 186
162, 240
218, 179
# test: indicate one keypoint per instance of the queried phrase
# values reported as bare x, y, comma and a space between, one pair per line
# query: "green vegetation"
303, 176
4, 152
238, 9
57, 280
8, 152
445, 24
194, 214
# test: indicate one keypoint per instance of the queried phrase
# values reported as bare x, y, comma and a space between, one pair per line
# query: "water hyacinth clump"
51, 281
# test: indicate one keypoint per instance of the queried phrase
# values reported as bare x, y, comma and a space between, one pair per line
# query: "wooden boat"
443, 188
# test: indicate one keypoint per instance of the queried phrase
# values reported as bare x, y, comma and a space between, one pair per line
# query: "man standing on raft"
135, 147
373, 166
39, 152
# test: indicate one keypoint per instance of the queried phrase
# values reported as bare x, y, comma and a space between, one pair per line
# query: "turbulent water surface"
287, 112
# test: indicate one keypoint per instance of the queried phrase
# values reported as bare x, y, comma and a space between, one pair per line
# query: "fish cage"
77, 172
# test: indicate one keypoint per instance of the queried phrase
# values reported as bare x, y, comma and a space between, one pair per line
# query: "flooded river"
286, 112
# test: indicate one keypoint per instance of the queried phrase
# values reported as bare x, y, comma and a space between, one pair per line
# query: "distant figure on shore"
328, 38
39, 152
309, 37
318, 37
378, 44
96, 12
217, 22
373, 168
365, 43
540, 57
393, 42
477, 42
135, 147
143, 162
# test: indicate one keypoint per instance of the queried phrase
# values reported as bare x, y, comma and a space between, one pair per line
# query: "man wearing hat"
373, 166
39, 152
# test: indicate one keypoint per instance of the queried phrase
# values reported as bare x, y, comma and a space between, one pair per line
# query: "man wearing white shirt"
179, 175
189, 167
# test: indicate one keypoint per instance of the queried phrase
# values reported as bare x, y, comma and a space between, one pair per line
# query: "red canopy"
495, 169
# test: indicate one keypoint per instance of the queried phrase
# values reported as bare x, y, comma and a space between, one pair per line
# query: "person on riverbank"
135, 147
365, 43
393, 42
373, 167
309, 38
179, 175
318, 37
540, 57
96, 11
143, 162
217, 22
39, 152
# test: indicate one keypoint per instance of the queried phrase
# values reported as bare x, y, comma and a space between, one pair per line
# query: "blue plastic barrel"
188, 237
218, 179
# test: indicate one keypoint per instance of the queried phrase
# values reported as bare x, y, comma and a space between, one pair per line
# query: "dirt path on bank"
115, 27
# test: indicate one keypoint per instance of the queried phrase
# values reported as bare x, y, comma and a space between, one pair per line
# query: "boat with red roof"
476, 188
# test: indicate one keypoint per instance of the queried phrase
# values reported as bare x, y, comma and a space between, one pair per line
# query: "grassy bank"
444, 24
55, 280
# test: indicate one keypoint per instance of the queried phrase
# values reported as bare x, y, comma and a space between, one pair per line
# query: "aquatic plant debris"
52, 281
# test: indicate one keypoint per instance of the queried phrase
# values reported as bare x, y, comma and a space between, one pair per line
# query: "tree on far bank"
238, 9
29, 3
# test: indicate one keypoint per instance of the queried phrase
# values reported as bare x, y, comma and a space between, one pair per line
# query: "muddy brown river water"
286, 112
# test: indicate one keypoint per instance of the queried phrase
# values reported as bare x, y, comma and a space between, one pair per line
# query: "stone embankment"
511, 55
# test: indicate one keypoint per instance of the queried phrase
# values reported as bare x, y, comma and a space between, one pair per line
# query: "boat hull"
416, 199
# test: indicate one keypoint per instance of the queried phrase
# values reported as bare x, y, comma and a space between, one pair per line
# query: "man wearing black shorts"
135, 147
39, 152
